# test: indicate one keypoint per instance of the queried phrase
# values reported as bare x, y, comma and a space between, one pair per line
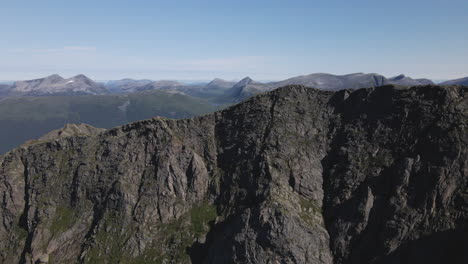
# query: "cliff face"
296, 175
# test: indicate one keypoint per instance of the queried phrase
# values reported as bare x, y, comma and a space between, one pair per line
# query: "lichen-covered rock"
296, 175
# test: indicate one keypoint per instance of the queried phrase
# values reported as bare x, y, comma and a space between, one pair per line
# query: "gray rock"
296, 175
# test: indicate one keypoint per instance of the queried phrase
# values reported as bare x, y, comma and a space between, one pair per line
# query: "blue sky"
201, 40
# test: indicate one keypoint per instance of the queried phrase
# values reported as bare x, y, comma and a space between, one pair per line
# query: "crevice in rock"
23, 220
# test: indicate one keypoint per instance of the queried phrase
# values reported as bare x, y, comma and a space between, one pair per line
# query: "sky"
202, 40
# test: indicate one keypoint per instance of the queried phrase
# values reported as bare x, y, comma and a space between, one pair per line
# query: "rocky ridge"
325, 81
296, 175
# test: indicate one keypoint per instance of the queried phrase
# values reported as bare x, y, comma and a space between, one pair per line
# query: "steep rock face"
396, 177
296, 175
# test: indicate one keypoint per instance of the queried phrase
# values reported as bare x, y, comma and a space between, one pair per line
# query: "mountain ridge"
296, 175
460, 81
55, 84
324, 81
221, 90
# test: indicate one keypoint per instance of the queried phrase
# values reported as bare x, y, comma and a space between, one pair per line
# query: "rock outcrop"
67, 131
296, 175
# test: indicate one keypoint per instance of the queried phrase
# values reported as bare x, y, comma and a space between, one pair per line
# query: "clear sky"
200, 40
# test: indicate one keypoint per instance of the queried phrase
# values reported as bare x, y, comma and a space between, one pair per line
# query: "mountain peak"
246, 81
216, 81
54, 76
81, 77
398, 77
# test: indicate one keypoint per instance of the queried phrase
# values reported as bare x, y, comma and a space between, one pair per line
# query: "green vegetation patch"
309, 210
170, 243
200, 218
63, 220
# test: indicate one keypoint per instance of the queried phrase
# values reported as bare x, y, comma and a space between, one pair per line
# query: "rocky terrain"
296, 175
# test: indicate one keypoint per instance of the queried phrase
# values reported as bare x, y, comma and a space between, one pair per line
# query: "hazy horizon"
194, 81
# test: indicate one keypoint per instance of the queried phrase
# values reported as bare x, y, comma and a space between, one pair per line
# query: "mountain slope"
56, 85
220, 84
26, 118
461, 81
296, 175
335, 82
245, 88
407, 81
126, 85
349, 81
160, 85
4, 89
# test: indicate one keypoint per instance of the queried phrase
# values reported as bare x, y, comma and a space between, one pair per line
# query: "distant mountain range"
221, 91
29, 109
126, 85
57, 85
204, 90
216, 91
24, 118
247, 87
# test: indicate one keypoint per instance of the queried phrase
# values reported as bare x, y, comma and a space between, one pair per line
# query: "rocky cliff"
297, 175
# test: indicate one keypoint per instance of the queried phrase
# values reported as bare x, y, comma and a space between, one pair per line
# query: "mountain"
296, 175
220, 84
349, 81
201, 90
216, 91
211, 90
26, 118
461, 81
334, 82
246, 88
161, 85
323, 81
126, 85
407, 81
221, 91
56, 85
204, 91
4, 89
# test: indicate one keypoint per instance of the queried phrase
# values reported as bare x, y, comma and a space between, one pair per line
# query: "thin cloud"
54, 50
232, 63
79, 48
